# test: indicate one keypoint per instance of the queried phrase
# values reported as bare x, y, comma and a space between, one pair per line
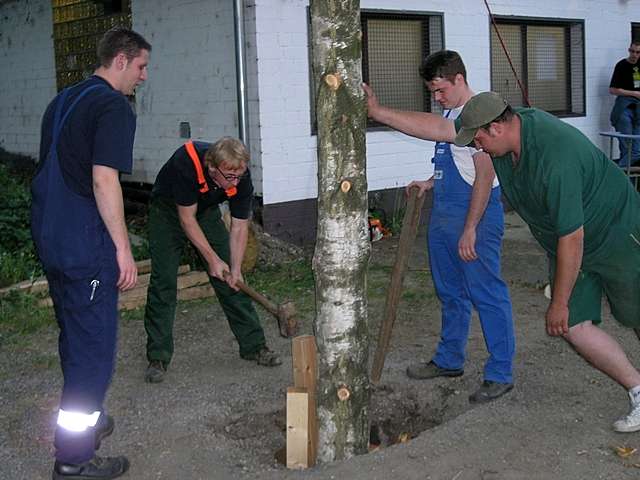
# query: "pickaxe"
285, 313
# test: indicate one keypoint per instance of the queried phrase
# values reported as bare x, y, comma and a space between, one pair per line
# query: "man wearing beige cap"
582, 210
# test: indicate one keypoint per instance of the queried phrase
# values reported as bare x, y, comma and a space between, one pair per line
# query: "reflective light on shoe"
76, 421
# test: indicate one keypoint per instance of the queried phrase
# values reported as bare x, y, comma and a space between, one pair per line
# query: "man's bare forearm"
427, 126
482, 186
238, 242
568, 261
108, 195
621, 92
194, 233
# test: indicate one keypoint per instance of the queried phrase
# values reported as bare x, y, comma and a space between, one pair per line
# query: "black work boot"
98, 468
104, 429
424, 371
490, 391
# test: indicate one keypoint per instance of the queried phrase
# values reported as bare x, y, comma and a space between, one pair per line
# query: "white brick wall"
393, 159
191, 77
27, 73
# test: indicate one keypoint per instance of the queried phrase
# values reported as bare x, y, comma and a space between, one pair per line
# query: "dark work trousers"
166, 242
79, 259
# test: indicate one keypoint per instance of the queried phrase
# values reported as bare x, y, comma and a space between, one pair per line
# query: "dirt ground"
219, 417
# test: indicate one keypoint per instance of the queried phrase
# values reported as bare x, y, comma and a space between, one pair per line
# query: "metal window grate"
548, 57
394, 46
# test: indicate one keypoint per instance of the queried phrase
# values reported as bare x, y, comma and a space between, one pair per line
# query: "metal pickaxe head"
287, 321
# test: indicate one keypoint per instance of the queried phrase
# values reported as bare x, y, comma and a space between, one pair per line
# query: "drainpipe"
241, 71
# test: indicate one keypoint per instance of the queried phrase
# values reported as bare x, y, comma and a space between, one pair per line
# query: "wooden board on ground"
191, 285
40, 284
298, 454
305, 374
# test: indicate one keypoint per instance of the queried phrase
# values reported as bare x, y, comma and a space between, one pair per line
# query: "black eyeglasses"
230, 177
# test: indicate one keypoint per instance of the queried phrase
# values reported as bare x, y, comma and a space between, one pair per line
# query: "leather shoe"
424, 371
104, 429
155, 372
490, 391
98, 468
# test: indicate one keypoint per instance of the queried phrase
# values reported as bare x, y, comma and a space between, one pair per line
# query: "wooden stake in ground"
298, 409
305, 374
407, 239
342, 245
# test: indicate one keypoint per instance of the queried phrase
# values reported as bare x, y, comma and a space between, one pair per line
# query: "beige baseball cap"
480, 110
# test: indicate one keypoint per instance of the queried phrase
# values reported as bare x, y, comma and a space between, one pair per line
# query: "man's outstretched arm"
427, 126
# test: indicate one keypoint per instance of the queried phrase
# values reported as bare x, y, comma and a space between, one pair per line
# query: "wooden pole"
305, 374
407, 239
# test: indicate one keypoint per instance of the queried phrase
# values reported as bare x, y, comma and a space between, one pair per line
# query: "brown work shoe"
155, 372
265, 357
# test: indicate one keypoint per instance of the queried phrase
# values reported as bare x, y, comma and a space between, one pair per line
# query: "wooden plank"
191, 285
297, 428
305, 374
37, 285
138, 296
405, 244
40, 285
144, 266
193, 293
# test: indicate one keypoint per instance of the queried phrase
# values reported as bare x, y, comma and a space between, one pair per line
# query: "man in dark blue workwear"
465, 237
81, 237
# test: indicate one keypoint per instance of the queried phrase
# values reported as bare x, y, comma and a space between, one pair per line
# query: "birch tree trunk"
342, 246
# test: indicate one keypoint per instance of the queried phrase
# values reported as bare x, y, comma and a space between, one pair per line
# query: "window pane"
395, 54
502, 79
547, 68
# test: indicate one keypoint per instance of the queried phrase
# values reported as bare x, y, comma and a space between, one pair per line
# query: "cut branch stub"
333, 80
345, 186
343, 393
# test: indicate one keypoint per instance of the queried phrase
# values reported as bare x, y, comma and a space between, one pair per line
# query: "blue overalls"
79, 259
460, 284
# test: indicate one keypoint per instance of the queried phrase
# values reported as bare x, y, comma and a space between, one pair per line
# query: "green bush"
18, 260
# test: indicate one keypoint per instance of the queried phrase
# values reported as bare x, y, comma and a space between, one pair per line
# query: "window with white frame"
548, 58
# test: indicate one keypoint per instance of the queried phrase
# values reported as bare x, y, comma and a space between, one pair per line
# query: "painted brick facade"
27, 78
192, 79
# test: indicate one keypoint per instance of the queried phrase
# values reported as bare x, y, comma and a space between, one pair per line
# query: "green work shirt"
561, 182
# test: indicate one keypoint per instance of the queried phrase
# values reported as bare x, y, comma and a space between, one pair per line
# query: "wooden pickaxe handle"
285, 313
258, 297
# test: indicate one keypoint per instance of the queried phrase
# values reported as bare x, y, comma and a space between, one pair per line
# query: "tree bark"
342, 245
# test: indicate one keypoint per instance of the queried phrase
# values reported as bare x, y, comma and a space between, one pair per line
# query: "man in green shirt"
582, 210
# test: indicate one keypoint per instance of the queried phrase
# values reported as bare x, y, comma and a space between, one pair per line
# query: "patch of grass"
135, 315
286, 280
20, 315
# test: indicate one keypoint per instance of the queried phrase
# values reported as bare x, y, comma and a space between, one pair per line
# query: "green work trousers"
166, 243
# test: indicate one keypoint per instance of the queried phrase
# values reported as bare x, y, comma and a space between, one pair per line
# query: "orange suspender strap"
202, 183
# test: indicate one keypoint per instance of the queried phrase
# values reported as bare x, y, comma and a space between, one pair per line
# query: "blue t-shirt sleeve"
115, 131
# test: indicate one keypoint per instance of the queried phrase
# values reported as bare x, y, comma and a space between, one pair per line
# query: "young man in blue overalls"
81, 237
464, 237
